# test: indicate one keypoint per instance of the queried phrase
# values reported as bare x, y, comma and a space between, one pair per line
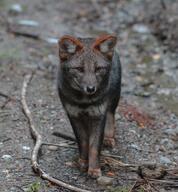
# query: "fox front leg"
82, 140
95, 143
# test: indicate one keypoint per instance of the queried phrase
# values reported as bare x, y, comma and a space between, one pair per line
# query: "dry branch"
18, 31
38, 141
4, 95
8, 99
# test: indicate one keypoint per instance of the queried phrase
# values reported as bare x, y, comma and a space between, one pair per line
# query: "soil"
147, 118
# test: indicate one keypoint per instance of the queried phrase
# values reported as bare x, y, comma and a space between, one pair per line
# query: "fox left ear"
105, 44
68, 46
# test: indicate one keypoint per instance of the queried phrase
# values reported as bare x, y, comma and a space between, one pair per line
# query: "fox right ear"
105, 44
68, 46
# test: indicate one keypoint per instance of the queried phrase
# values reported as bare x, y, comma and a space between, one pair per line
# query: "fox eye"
99, 69
80, 69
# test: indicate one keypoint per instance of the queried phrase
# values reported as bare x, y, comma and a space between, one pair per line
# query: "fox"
89, 87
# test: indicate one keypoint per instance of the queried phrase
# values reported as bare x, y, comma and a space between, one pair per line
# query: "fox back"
89, 83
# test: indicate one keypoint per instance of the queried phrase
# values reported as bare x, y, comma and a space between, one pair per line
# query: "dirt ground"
148, 45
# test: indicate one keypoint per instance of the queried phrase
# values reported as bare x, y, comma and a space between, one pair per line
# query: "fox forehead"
86, 41
88, 56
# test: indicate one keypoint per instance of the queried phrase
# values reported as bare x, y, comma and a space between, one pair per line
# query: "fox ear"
68, 46
105, 44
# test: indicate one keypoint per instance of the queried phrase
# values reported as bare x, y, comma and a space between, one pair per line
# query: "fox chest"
92, 110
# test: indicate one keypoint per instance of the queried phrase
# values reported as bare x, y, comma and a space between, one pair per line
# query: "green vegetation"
119, 189
124, 189
34, 187
12, 53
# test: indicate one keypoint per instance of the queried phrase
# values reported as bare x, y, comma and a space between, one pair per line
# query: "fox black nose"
90, 89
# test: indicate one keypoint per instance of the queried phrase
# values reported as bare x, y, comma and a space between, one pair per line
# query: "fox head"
85, 63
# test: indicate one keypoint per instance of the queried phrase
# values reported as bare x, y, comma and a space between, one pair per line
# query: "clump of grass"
34, 187
119, 189
12, 53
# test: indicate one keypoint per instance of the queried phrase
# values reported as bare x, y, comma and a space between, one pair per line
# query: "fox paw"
83, 164
94, 173
109, 142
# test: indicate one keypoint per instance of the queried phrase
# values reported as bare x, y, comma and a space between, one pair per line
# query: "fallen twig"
174, 183
38, 142
8, 99
19, 32
67, 145
64, 136
4, 95
133, 186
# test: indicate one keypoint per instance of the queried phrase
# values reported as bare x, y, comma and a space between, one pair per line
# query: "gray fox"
89, 85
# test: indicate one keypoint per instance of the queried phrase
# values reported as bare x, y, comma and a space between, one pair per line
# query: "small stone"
5, 171
140, 28
165, 160
171, 131
69, 164
6, 157
156, 57
168, 143
26, 148
164, 91
30, 23
142, 93
117, 116
133, 132
15, 9
52, 148
105, 181
164, 141
51, 40
133, 146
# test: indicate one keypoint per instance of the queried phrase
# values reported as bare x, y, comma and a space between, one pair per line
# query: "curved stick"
38, 141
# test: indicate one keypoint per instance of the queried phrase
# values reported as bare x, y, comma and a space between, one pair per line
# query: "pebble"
30, 23
168, 143
15, 9
171, 131
52, 148
140, 28
6, 157
51, 40
105, 181
26, 148
1, 144
164, 91
133, 146
117, 116
165, 160
133, 132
